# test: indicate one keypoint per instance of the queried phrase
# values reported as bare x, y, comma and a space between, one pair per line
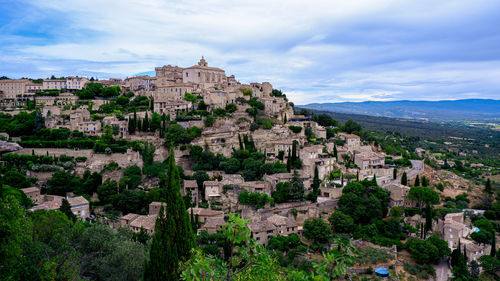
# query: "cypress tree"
357, 175
289, 162
417, 181
285, 119
335, 153
66, 209
493, 246
316, 182
135, 120
145, 123
139, 125
404, 179
294, 153
173, 238
394, 173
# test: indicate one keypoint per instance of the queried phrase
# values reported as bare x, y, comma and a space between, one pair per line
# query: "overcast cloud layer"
316, 51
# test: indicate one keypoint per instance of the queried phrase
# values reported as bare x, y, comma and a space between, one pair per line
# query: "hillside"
448, 110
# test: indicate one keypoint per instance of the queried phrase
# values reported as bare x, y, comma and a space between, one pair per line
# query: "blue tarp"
382, 272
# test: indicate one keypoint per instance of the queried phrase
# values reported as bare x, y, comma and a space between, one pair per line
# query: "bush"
295, 129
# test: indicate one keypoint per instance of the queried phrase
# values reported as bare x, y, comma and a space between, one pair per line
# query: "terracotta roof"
211, 183
147, 222
205, 68
75, 201
281, 220
31, 189
214, 222
261, 226
190, 184
129, 216
206, 212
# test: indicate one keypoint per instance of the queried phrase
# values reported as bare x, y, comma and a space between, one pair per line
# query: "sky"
314, 51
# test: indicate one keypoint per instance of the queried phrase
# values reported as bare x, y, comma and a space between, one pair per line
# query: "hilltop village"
101, 148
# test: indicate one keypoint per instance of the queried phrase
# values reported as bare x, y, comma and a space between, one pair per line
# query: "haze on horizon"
322, 51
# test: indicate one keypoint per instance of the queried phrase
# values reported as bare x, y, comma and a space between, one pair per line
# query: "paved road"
442, 271
417, 167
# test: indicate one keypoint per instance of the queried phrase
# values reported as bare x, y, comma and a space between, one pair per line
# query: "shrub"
295, 129
372, 256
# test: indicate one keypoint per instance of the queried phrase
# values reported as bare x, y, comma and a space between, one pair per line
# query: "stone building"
154, 207
262, 231
168, 75
191, 187
11, 88
79, 205
213, 190
204, 75
284, 226
33, 193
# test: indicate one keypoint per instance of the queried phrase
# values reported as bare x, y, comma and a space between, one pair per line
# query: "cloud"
323, 51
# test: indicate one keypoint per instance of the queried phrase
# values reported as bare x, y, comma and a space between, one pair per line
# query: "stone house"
369, 160
154, 207
11, 88
146, 222
213, 224
213, 190
262, 231
127, 219
399, 193
474, 250
79, 205
163, 105
143, 82
191, 187
204, 214
33, 193
284, 226
454, 229
121, 126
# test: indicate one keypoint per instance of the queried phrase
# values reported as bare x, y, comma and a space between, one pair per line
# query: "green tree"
297, 187
341, 223
66, 209
14, 232
316, 182
173, 238
404, 179
209, 121
417, 181
351, 127
231, 107
489, 264
487, 187
174, 135
423, 196
316, 230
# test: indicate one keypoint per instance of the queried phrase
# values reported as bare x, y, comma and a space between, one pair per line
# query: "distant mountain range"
445, 110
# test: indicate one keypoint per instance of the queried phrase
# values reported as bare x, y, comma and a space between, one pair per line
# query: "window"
451, 236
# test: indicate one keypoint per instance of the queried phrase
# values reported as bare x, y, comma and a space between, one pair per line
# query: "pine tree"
173, 238
417, 181
316, 182
404, 179
66, 209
